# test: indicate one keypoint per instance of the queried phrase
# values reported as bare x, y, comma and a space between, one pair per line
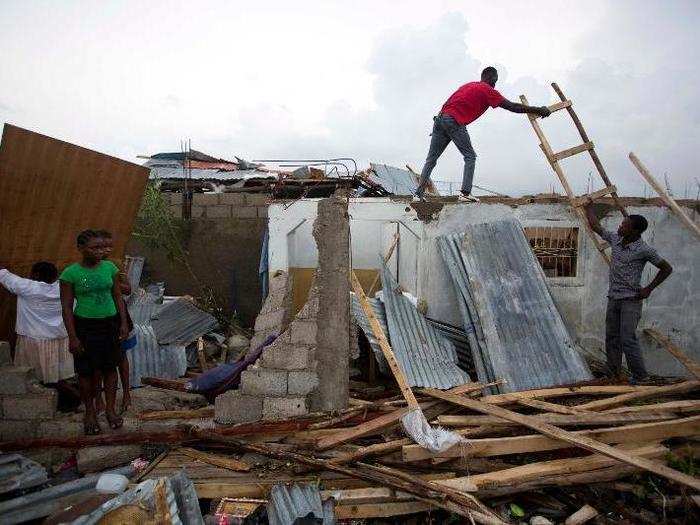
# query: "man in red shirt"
466, 105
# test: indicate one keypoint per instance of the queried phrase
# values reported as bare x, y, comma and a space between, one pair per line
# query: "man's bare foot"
114, 421
90, 425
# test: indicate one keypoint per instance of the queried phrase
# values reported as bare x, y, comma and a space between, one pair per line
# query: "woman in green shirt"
95, 320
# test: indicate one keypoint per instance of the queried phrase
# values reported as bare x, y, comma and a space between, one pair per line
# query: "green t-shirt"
92, 288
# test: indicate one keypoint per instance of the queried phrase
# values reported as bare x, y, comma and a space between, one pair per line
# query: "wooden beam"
157, 415
584, 442
677, 407
580, 419
582, 515
585, 199
215, 459
380, 510
690, 364
670, 201
677, 388
546, 406
383, 343
572, 151
556, 107
530, 471
501, 446
544, 393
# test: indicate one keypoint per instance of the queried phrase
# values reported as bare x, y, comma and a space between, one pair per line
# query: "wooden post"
670, 201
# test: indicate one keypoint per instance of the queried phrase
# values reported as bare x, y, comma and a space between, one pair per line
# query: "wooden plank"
364, 495
546, 406
584, 442
585, 199
381, 510
677, 407
544, 393
570, 152
557, 107
670, 201
383, 343
580, 419
215, 459
157, 415
582, 515
530, 471
678, 388
690, 364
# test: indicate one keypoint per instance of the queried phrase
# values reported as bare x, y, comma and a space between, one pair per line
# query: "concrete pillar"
332, 234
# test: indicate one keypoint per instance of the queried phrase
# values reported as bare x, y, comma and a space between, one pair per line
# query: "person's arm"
16, 284
67, 300
515, 107
594, 222
121, 308
665, 270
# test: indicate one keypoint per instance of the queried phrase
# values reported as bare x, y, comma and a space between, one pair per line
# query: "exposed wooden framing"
528, 472
580, 419
586, 146
678, 388
678, 407
215, 459
383, 343
670, 201
585, 199
544, 393
570, 437
546, 406
691, 365
557, 107
380, 510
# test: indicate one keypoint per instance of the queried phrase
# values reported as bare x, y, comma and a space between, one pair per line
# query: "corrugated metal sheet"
176, 172
459, 339
51, 191
395, 180
182, 322
363, 323
135, 264
18, 472
150, 359
287, 503
427, 358
520, 336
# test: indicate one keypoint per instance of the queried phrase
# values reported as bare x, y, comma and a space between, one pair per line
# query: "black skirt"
100, 341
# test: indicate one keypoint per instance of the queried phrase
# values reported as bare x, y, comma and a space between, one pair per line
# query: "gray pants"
446, 129
621, 322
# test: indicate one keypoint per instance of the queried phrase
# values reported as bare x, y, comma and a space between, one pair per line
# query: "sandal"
115, 422
91, 428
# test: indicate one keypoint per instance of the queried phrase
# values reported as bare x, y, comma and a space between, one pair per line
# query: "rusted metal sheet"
50, 190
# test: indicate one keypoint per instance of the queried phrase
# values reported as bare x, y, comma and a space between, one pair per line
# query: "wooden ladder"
554, 159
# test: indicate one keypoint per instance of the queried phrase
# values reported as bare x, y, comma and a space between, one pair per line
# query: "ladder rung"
573, 151
556, 107
584, 199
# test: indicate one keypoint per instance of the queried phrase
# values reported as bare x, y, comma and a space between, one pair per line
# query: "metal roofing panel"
287, 503
520, 335
427, 358
394, 180
182, 322
18, 472
70, 189
177, 172
362, 321
149, 359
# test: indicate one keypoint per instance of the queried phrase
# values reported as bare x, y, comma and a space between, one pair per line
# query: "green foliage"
685, 464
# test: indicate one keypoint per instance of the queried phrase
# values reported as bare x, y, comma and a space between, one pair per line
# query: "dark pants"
621, 322
446, 129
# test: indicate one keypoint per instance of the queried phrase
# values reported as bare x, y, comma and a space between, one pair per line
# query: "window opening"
556, 249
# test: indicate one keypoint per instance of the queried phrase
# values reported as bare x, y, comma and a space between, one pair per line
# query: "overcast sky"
362, 79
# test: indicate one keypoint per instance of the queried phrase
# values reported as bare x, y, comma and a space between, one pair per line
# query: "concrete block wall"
222, 205
24, 403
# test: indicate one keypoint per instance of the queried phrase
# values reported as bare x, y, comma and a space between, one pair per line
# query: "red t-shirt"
470, 101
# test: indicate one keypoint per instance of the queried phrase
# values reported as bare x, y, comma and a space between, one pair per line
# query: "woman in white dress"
42, 341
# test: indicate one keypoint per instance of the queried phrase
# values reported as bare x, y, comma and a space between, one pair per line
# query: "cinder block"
303, 332
205, 199
286, 357
198, 211
301, 382
17, 430
232, 407
95, 459
263, 382
15, 380
279, 281
5, 354
262, 212
176, 210
32, 406
237, 199
218, 212
61, 427
284, 407
257, 199
248, 212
